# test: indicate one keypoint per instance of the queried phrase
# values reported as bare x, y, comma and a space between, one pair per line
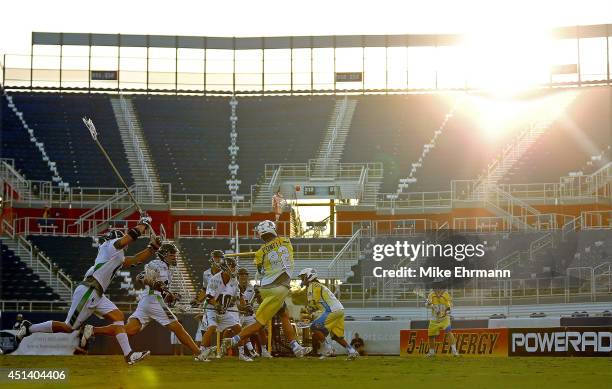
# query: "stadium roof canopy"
285, 42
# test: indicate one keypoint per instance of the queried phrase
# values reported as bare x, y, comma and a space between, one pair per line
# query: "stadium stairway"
20, 282
33, 269
137, 151
332, 145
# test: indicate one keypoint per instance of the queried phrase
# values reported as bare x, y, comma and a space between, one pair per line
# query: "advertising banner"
470, 342
560, 342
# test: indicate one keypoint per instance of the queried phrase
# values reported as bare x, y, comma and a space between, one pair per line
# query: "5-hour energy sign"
472, 342
560, 341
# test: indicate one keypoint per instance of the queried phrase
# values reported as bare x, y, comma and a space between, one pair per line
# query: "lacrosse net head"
91, 127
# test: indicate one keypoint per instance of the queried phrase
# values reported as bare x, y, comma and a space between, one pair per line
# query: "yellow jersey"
321, 299
440, 305
274, 259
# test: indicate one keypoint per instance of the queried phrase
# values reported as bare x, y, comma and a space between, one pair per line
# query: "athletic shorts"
201, 327
330, 322
222, 322
152, 307
86, 302
246, 321
273, 299
436, 326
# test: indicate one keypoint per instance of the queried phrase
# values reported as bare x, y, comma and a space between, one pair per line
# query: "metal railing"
373, 291
62, 226
37, 260
138, 147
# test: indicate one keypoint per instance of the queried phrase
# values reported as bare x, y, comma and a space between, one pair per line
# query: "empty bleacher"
583, 131
76, 255
16, 144
19, 282
189, 137
56, 121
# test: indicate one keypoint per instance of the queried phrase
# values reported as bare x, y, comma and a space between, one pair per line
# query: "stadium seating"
584, 131
16, 144
189, 136
56, 120
197, 251
19, 282
394, 129
76, 255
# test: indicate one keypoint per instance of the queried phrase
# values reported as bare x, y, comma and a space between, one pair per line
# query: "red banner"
470, 342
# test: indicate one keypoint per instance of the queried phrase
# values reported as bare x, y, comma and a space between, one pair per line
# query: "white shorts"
222, 322
86, 302
152, 306
246, 321
201, 327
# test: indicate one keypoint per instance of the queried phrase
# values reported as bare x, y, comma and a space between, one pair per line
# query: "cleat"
254, 354
326, 352
136, 356
266, 354
245, 358
24, 330
430, 354
302, 351
202, 357
87, 333
207, 352
352, 355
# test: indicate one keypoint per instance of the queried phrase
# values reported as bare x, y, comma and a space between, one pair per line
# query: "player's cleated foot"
136, 356
266, 354
87, 333
207, 352
254, 354
302, 351
24, 330
430, 354
245, 358
353, 355
201, 357
325, 352
456, 354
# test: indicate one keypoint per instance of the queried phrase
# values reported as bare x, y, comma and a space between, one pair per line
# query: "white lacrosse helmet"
266, 227
307, 275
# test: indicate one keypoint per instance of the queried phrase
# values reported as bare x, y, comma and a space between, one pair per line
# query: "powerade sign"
562, 342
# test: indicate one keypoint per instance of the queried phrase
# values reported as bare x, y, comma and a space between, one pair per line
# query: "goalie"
328, 314
154, 303
440, 303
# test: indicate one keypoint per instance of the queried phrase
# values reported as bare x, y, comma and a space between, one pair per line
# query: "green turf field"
367, 372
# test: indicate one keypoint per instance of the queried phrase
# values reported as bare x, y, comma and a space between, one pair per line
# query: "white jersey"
248, 295
206, 276
161, 273
226, 294
108, 262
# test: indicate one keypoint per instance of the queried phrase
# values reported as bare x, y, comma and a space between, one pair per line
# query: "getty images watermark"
455, 257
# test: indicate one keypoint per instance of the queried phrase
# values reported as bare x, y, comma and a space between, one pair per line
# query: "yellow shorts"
272, 301
436, 326
335, 323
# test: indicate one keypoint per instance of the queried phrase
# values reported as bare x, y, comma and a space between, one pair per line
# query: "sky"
281, 18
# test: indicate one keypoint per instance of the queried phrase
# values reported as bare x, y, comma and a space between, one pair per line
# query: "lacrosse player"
328, 315
221, 311
250, 296
89, 298
215, 258
440, 303
154, 303
274, 262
